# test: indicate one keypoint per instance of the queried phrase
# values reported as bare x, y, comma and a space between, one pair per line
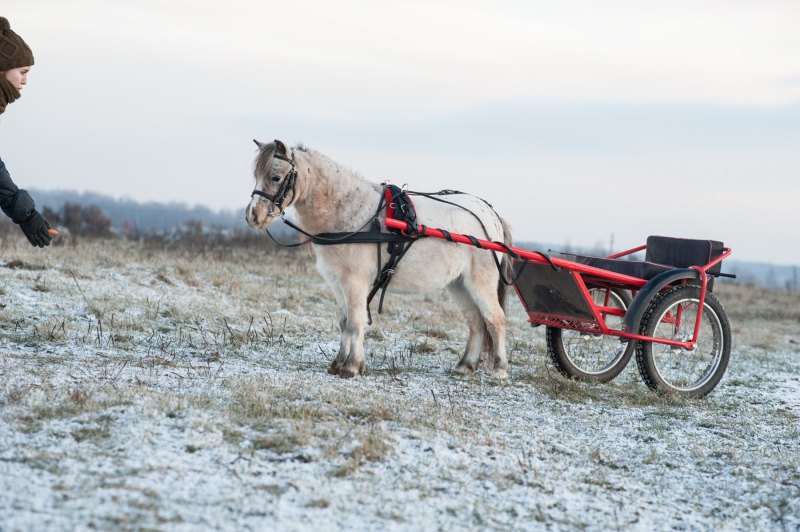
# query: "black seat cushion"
635, 268
663, 253
683, 252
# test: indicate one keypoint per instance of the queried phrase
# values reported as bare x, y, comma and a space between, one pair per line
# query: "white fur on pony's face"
260, 213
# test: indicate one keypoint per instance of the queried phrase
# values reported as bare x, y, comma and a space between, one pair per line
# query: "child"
16, 60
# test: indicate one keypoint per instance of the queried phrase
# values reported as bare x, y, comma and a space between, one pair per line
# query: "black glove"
36, 228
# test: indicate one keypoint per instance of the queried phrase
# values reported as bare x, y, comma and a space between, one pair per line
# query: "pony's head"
275, 173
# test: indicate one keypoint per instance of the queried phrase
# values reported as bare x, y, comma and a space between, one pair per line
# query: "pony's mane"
329, 167
324, 168
260, 164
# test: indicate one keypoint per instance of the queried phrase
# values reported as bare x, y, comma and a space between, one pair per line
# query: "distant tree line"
149, 220
77, 216
86, 220
142, 217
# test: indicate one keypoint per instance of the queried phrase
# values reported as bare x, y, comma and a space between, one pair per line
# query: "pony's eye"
276, 178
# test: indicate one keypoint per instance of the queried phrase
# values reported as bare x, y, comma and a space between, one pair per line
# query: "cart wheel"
592, 357
673, 369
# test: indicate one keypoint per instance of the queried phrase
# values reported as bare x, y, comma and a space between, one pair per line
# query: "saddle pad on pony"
399, 205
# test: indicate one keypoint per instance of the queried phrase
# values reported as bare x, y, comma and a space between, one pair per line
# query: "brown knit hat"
14, 53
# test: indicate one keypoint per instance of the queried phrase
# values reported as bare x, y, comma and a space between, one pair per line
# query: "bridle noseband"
288, 183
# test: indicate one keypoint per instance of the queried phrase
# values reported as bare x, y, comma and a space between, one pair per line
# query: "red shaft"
532, 256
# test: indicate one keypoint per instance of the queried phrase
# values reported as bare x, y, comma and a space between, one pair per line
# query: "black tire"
677, 371
592, 357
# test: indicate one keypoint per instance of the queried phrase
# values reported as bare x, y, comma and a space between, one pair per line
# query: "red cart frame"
585, 275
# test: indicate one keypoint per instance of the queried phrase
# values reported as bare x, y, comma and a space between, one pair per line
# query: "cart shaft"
533, 256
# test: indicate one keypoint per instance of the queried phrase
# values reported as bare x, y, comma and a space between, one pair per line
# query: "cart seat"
634, 268
663, 253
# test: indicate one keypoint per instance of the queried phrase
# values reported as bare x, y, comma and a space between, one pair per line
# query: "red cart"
599, 310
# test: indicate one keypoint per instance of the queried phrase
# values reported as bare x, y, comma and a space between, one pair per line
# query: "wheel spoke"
590, 356
680, 368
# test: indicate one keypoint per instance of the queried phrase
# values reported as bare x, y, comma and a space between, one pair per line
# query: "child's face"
18, 76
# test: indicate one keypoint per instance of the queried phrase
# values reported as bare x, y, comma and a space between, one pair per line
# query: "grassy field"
155, 387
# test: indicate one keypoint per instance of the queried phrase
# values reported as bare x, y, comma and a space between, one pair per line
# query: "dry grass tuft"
753, 303
373, 445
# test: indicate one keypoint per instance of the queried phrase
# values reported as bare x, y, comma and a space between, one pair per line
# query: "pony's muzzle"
259, 215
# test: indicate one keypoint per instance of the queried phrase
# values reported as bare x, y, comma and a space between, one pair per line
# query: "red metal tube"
600, 311
627, 252
524, 253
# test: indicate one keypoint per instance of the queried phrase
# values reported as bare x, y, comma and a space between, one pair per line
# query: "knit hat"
14, 53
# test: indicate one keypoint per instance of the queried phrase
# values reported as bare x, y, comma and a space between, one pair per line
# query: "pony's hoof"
501, 376
462, 369
347, 373
333, 370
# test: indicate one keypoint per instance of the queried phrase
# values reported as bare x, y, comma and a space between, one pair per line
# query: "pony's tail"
506, 273
506, 267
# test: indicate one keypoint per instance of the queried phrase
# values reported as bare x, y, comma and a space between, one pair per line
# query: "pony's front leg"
355, 325
344, 344
344, 349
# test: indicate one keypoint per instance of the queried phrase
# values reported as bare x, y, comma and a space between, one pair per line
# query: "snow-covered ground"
178, 389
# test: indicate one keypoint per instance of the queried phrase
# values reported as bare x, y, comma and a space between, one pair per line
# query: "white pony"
327, 197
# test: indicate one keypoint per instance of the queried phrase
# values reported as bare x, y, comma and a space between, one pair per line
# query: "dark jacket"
15, 202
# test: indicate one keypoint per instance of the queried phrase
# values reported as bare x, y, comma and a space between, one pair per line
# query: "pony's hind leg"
496, 325
471, 358
485, 297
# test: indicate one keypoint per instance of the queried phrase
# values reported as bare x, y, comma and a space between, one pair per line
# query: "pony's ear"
280, 147
259, 144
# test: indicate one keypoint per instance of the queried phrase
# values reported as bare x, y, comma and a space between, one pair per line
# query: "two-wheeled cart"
599, 310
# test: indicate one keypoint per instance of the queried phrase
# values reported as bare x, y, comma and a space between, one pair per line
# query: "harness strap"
373, 236
397, 250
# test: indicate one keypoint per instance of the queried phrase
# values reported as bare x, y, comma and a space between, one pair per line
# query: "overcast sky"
575, 119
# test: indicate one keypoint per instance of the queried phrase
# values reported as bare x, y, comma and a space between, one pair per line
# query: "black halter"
288, 183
